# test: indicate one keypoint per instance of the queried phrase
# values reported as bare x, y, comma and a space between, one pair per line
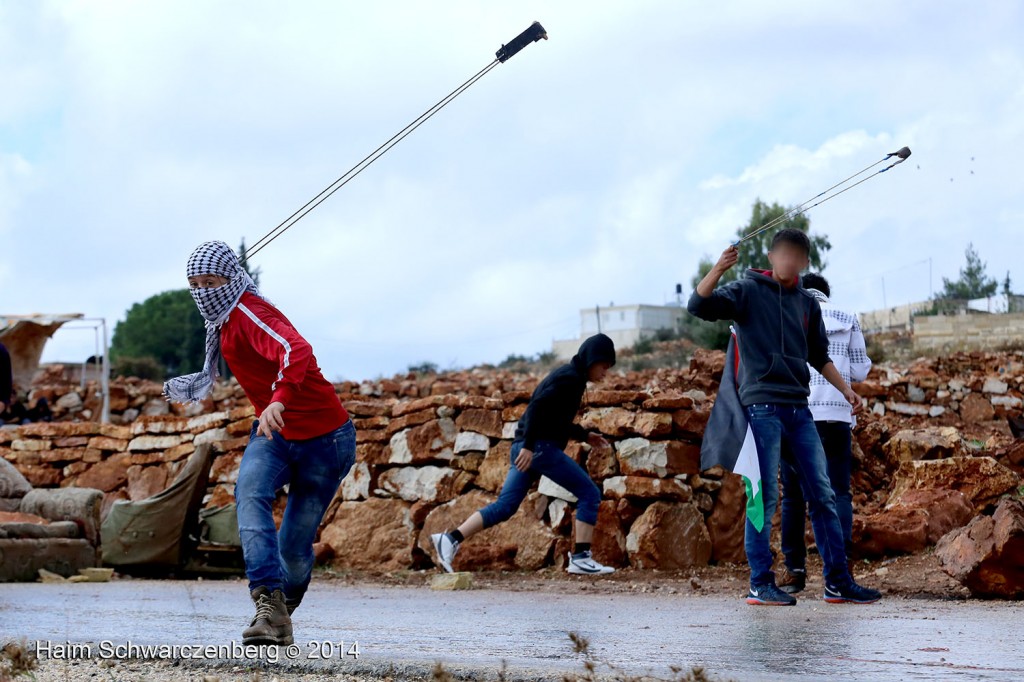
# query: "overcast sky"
595, 167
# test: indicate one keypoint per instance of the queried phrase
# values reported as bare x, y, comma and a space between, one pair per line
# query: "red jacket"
273, 363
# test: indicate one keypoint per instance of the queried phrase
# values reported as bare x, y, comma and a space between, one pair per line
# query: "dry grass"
17, 660
593, 665
597, 670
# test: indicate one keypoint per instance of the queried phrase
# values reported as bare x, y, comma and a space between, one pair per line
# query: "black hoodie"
556, 400
779, 331
6, 379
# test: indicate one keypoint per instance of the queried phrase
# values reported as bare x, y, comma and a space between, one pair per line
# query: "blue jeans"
548, 460
313, 470
837, 440
773, 424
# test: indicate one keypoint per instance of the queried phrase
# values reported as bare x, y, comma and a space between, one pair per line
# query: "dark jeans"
837, 440
548, 460
313, 470
774, 424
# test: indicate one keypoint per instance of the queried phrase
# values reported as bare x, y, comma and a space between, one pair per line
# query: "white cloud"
596, 166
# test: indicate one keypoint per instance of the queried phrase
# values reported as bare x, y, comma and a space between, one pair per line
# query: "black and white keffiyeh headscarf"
215, 305
819, 295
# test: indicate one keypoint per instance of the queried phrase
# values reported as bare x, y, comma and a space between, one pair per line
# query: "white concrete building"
625, 324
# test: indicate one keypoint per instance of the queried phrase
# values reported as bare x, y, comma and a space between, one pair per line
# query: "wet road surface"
897, 639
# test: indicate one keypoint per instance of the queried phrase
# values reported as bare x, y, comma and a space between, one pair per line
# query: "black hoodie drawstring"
782, 332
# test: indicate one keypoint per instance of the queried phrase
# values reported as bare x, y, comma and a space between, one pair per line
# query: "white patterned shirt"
848, 351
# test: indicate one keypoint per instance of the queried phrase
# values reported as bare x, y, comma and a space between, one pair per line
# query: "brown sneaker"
271, 624
793, 581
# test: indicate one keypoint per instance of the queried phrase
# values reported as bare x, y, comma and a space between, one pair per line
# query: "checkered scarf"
820, 296
215, 305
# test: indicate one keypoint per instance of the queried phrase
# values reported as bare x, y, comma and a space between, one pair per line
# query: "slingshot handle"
531, 35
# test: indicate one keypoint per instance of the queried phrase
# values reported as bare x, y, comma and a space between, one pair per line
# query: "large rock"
945, 510
523, 542
146, 481
425, 443
690, 424
916, 521
147, 442
609, 541
469, 441
487, 422
994, 385
669, 536
639, 456
549, 488
374, 535
106, 475
601, 462
708, 363
495, 466
976, 408
428, 483
613, 398
611, 421
645, 487
356, 485
987, 555
727, 520
653, 424
926, 443
900, 530
225, 468
980, 479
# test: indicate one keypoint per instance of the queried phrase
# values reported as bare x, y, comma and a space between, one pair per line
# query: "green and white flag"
748, 466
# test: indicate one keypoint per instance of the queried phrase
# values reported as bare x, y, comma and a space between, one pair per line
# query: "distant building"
999, 304
625, 324
901, 317
896, 318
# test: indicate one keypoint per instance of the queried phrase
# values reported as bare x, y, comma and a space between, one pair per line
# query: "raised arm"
710, 302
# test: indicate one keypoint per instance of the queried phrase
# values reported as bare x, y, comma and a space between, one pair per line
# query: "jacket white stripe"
274, 335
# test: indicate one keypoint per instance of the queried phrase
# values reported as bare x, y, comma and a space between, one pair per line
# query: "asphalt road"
475, 630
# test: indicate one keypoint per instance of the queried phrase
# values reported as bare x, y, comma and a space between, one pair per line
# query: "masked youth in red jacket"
303, 437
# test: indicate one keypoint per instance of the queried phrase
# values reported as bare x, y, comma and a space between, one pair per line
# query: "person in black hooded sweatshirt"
6, 379
538, 449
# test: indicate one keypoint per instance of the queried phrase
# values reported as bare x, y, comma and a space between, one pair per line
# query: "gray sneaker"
445, 548
271, 624
584, 564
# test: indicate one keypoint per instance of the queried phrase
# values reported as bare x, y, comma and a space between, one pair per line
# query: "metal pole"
885, 304
105, 376
597, 313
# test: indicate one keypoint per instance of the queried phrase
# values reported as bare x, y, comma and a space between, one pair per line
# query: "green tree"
166, 327
752, 254
253, 272
974, 281
425, 367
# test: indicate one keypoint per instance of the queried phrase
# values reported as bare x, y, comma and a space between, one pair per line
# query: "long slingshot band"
531, 35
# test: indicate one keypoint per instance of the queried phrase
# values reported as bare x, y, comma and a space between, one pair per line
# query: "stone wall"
434, 448
968, 332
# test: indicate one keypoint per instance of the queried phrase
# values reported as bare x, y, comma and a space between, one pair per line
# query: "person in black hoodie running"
779, 330
538, 450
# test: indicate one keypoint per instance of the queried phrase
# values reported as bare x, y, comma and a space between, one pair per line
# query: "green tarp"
160, 530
